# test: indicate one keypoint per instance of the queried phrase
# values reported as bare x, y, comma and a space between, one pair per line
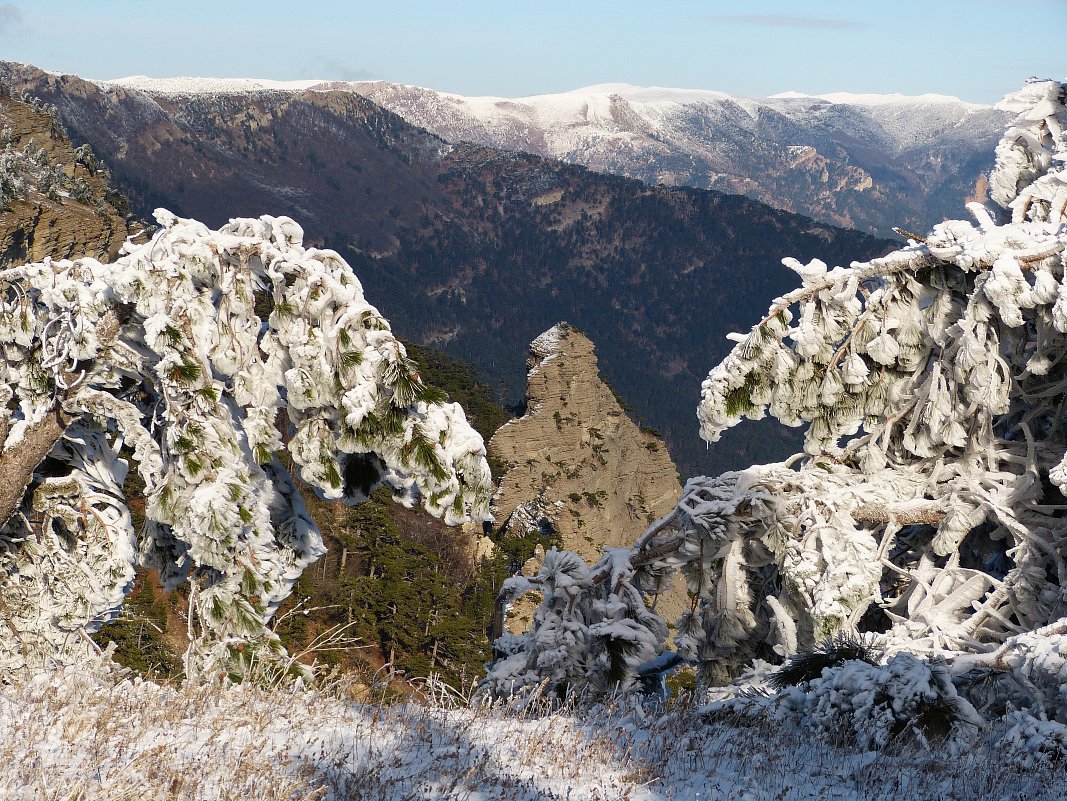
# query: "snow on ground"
81, 736
854, 99
193, 86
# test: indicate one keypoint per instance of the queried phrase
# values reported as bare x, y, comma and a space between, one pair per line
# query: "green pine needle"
432, 395
405, 391
739, 401
372, 322
351, 358
186, 372
333, 475
809, 665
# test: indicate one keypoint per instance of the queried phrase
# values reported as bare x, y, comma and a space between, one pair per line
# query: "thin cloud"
11, 18
336, 69
788, 21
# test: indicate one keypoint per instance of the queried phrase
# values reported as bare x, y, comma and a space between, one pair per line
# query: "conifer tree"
927, 509
189, 356
590, 633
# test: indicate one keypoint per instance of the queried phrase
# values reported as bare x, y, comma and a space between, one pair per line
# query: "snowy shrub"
870, 705
590, 634
183, 357
1030, 741
1029, 670
809, 664
927, 508
877, 703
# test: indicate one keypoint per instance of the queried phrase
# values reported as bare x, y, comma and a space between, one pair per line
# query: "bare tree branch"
18, 463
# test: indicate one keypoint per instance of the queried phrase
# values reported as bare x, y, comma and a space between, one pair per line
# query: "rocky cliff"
577, 464
54, 197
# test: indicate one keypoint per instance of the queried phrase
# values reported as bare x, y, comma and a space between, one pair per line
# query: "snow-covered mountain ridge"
868, 161
194, 86
647, 94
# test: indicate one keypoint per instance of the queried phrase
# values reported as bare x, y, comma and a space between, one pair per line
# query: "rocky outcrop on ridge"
577, 465
54, 197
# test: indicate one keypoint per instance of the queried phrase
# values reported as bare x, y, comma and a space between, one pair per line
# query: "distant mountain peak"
869, 161
188, 85
873, 99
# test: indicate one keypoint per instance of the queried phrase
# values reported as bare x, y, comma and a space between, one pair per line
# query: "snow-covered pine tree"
590, 632
183, 356
928, 508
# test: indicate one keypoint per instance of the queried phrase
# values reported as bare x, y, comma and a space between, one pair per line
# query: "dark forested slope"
468, 248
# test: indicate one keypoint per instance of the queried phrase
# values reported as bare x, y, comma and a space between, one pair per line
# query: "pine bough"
927, 510
184, 356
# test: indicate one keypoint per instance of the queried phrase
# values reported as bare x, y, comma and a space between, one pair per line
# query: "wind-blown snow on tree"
184, 356
927, 509
590, 633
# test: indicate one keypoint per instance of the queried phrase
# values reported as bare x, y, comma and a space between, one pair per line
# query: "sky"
974, 49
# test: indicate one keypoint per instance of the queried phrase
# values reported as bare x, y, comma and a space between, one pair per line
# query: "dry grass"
83, 737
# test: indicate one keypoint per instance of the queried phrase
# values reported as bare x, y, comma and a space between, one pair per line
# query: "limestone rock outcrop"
577, 464
54, 198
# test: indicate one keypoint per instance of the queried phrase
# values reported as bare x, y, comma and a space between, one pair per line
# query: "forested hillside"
471, 249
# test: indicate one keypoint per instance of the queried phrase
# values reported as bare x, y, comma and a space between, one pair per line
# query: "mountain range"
470, 248
871, 162
863, 161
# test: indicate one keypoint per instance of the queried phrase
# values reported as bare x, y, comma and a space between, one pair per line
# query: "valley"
468, 248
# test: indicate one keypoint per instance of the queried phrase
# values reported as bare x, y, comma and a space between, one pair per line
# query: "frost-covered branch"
927, 510
190, 355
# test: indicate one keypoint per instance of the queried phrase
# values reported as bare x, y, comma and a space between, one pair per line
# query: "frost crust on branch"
182, 355
928, 507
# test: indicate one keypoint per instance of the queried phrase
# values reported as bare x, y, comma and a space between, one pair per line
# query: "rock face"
577, 463
54, 198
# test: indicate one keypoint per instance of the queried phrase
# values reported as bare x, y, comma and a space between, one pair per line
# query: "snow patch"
548, 343
870, 99
188, 85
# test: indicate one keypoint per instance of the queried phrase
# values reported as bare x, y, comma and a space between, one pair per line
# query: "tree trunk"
18, 463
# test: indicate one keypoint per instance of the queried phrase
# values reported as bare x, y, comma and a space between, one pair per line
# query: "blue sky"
975, 49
